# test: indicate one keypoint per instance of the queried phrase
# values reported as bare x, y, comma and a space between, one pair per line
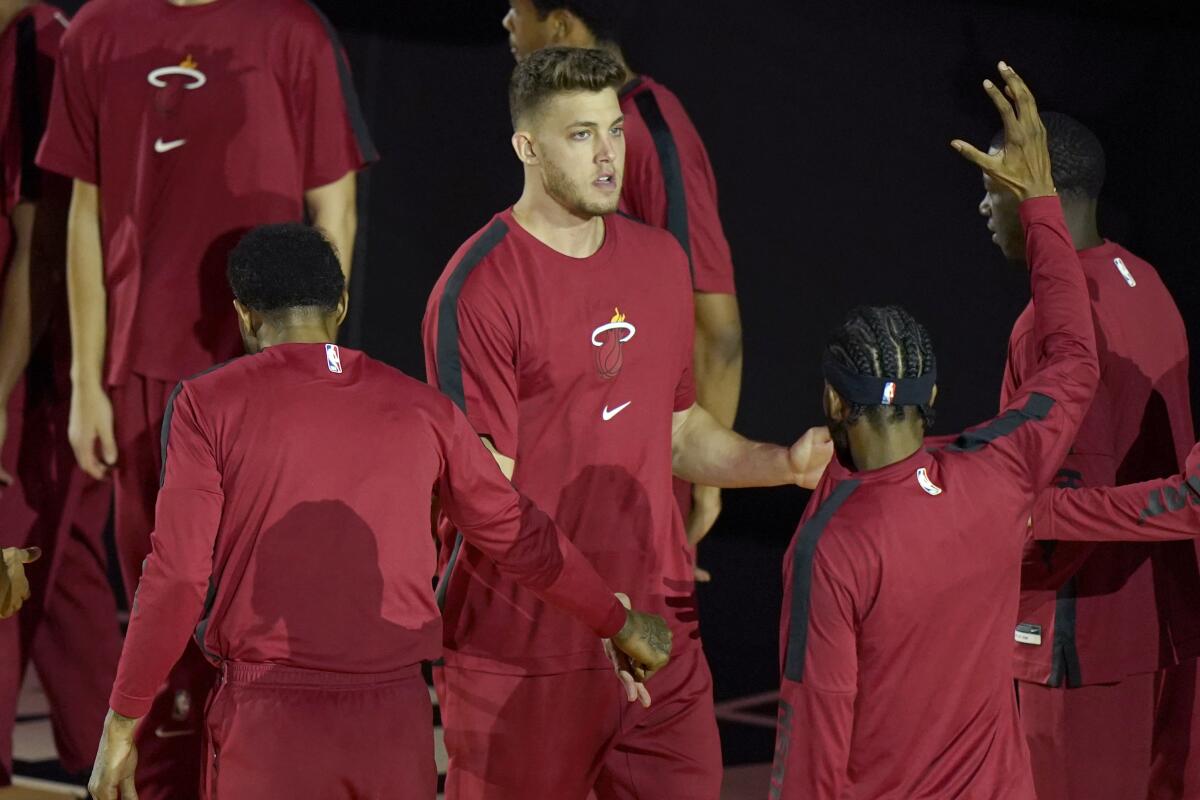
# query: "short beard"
839, 431
568, 195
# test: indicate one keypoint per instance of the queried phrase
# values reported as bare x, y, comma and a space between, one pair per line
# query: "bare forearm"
86, 295
706, 452
334, 210
17, 312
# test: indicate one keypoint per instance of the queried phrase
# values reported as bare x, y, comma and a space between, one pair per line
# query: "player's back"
925, 554
324, 556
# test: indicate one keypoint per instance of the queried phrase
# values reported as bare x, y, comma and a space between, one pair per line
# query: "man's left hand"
116, 760
809, 456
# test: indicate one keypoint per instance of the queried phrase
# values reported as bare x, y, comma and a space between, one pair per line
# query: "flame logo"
617, 317
188, 62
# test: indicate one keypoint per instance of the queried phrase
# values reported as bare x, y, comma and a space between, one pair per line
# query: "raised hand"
14, 587
1024, 164
640, 649
809, 456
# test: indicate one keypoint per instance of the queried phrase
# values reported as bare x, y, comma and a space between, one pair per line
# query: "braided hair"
884, 342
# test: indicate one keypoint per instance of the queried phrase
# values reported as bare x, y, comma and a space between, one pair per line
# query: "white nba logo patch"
333, 358
889, 394
929, 486
1125, 273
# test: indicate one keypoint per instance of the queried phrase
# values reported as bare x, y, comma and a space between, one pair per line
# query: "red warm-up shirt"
901, 583
1105, 611
669, 182
1159, 510
573, 367
293, 522
197, 123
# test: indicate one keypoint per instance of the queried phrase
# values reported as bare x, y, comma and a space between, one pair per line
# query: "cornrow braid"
884, 342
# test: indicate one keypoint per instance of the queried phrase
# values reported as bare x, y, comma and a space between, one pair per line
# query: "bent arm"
706, 452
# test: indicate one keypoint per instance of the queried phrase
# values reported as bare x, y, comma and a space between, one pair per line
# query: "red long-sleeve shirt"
293, 522
902, 582
1159, 510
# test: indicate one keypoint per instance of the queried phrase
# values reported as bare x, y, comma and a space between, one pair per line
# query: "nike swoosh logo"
162, 147
162, 733
607, 415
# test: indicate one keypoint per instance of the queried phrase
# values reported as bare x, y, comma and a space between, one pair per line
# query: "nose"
985, 206
507, 21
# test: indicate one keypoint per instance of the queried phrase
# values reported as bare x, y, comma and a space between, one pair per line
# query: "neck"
557, 227
9, 9
874, 445
271, 334
1080, 216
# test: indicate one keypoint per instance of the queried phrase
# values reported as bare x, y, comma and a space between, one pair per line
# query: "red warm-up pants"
1137, 739
514, 737
281, 732
169, 738
68, 627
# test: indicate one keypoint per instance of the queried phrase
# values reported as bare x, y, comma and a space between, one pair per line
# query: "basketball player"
185, 122
564, 331
69, 627
293, 526
1098, 622
902, 579
668, 183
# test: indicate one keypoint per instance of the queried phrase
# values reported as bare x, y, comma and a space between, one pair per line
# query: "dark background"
827, 125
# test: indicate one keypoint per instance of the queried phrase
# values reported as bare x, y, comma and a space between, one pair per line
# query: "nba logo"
333, 358
889, 393
1125, 273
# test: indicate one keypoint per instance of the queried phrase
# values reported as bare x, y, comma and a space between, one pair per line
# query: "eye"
580, 136
618, 131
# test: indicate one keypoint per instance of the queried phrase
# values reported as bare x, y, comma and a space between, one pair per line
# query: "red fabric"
1135, 609
1157, 510
275, 733
270, 120
644, 193
912, 569
540, 364
507, 741
1076, 750
253, 489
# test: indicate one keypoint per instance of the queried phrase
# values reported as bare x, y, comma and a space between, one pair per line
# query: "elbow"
720, 347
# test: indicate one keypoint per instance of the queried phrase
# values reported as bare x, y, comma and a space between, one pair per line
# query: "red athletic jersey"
902, 582
1106, 611
197, 123
29, 48
1159, 510
573, 367
669, 182
293, 521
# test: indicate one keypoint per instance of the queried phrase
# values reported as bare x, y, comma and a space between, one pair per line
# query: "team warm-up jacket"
901, 585
1151, 511
292, 525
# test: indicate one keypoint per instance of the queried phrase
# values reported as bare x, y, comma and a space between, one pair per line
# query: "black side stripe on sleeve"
25, 74
165, 434
449, 359
1036, 408
449, 362
1064, 658
802, 569
358, 122
668, 158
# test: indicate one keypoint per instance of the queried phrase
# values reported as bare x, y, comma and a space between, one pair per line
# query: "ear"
248, 319
933, 396
568, 29
343, 307
522, 144
835, 406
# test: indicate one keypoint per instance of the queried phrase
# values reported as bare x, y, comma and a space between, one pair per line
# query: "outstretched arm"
704, 451
1150, 511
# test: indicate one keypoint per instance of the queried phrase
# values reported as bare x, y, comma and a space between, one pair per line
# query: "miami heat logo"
608, 339
173, 81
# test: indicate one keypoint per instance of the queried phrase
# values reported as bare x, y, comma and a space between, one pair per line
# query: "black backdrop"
828, 128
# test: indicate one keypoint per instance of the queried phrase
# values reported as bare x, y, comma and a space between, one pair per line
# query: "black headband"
867, 390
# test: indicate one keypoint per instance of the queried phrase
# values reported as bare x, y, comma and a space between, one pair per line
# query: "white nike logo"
162, 733
161, 147
607, 415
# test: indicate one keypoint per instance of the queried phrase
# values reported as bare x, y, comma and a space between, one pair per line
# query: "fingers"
128, 790
702, 575
1018, 90
108, 444
624, 598
5, 478
1007, 116
27, 555
974, 155
630, 685
643, 695
85, 456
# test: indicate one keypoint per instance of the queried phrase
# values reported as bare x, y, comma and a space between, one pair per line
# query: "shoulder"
657, 243
300, 21
477, 267
51, 23
94, 20
407, 393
